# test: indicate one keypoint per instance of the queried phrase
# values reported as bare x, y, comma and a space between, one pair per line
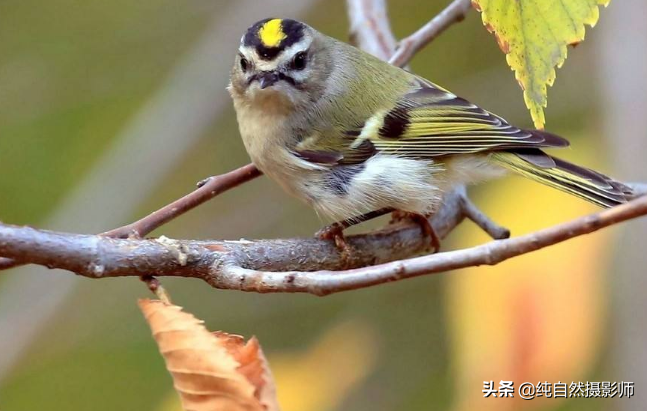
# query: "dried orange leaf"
210, 371
253, 365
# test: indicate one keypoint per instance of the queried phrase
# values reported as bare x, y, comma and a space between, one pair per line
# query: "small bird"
355, 137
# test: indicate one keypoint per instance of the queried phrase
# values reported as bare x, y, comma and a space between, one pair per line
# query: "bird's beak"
267, 79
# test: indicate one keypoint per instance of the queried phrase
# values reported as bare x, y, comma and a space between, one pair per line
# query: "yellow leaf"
215, 371
534, 34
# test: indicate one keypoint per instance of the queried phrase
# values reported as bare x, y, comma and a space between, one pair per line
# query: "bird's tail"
570, 178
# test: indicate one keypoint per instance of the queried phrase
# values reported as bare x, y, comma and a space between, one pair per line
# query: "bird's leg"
423, 222
335, 231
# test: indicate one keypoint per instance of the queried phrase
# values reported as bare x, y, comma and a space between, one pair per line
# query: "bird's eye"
299, 62
244, 64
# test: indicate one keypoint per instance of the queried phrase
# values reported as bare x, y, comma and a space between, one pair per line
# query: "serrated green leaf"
534, 35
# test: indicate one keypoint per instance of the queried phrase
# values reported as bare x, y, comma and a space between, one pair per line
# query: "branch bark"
266, 266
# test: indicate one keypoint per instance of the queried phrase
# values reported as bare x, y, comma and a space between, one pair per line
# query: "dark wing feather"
331, 157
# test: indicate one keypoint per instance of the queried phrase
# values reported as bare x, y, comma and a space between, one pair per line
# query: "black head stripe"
290, 32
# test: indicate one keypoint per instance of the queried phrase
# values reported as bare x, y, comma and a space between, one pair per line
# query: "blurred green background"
109, 110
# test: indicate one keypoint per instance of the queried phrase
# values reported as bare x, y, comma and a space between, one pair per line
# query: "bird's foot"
335, 232
423, 223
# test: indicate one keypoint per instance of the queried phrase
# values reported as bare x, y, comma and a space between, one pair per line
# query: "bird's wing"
430, 122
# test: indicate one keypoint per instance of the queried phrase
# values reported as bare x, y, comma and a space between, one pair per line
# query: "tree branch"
253, 265
207, 190
309, 254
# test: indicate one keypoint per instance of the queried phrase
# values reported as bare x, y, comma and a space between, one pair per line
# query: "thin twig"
156, 287
253, 265
486, 224
370, 29
210, 188
409, 46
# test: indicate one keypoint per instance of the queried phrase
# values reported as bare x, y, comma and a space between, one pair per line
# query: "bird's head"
281, 61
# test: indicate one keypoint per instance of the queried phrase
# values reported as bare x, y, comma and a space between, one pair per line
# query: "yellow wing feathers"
581, 182
430, 121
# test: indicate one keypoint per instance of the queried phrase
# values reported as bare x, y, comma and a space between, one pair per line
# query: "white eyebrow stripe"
281, 59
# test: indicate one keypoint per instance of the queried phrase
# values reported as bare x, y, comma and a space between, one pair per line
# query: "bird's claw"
335, 232
423, 223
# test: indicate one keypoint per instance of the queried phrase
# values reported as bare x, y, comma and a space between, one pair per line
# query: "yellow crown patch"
271, 33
